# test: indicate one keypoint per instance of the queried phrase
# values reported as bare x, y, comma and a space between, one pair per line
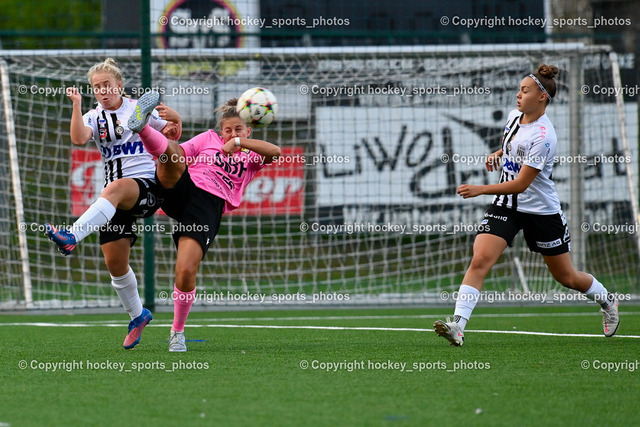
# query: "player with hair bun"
129, 186
525, 199
202, 179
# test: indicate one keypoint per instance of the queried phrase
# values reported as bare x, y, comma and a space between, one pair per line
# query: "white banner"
412, 160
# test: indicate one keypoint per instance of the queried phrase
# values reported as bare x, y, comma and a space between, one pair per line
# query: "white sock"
98, 214
467, 299
127, 289
598, 293
461, 321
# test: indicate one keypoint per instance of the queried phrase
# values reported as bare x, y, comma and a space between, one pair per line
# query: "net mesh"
362, 203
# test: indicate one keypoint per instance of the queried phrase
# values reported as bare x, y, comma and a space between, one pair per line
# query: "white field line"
407, 316
334, 328
385, 317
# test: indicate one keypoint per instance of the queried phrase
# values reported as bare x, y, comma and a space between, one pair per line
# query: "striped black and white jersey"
122, 151
532, 144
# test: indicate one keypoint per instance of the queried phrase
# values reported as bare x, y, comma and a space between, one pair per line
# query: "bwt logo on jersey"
512, 166
128, 148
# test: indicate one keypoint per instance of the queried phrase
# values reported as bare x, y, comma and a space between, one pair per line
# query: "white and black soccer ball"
257, 107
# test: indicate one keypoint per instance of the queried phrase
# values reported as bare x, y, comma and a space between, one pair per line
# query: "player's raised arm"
173, 129
269, 151
80, 134
168, 114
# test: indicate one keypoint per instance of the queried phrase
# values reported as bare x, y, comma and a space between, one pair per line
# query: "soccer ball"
257, 107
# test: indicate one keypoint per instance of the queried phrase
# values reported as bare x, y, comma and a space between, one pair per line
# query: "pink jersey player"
215, 172
201, 179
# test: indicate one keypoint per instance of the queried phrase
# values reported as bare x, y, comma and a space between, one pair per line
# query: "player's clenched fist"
73, 94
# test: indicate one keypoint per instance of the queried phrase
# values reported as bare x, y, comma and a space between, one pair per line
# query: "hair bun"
548, 71
226, 111
228, 107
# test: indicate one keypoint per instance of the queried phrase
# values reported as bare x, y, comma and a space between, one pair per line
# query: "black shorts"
121, 225
546, 234
198, 212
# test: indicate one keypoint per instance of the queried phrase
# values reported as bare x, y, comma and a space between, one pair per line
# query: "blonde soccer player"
525, 199
130, 191
203, 178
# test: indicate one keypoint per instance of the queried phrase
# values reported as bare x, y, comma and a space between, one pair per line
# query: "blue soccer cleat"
65, 240
135, 329
144, 108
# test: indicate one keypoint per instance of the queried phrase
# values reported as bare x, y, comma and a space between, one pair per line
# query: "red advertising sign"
87, 179
277, 189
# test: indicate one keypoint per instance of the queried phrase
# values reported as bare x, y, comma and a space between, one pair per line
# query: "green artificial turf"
366, 375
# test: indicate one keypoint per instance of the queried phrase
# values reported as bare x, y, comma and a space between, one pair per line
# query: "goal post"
626, 147
16, 187
361, 208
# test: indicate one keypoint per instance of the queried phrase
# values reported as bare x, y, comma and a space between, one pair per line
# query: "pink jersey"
214, 172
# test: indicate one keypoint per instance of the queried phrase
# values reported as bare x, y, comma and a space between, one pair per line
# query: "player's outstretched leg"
564, 272
171, 165
97, 215
135, 329
450, 331
64, 239
144, 107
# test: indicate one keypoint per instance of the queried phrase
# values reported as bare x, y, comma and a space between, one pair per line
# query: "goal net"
362, 206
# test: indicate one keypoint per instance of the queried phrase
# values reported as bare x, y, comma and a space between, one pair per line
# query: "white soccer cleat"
176, 341
610, 319
449, 330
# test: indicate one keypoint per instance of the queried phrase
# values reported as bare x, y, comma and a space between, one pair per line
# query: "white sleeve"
156, 122
90, 121
539, 152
